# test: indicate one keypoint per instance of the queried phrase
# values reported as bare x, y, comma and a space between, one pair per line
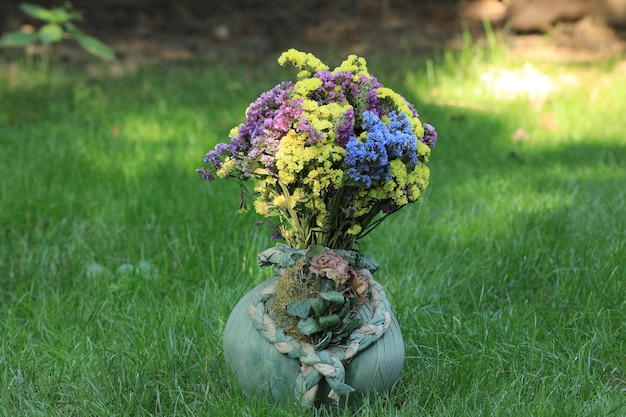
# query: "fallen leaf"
116, 131
549, 121
520, 135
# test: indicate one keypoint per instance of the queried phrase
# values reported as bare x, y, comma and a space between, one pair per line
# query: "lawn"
119, 265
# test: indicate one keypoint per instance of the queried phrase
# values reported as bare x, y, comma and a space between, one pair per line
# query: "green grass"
119, 266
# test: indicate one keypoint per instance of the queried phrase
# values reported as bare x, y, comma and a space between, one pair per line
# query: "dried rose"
330, 265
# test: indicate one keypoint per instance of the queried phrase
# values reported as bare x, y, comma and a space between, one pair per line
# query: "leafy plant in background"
58, 25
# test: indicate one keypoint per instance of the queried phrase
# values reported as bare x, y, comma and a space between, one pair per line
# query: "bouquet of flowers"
330, 155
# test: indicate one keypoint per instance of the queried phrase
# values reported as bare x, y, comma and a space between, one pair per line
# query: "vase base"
261, 371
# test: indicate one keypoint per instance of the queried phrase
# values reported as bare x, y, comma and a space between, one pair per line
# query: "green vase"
260, 370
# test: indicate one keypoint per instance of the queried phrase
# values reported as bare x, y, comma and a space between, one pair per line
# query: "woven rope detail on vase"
328, 363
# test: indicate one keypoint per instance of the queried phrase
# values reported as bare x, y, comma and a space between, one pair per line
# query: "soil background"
186, 30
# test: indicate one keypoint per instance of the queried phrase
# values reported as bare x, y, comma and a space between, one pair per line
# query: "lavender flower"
345, 130
430, 135
336, 88
371, 98
205, 174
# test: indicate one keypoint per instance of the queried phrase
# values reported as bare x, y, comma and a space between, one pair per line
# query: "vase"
259, 369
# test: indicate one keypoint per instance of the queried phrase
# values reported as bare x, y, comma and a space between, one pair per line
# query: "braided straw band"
327, 363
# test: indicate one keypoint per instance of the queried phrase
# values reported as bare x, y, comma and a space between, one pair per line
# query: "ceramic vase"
259, 369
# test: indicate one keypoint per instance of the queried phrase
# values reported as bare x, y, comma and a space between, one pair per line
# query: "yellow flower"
418, 180
354, 230
291, 157
322, 218
280, 201
306, 62
305, 86
322, 125
286, 177
354, 64
361, 212
261, 207
310, 106
423, 149
229, 165
286, 233
398, 169
234, 132
321, 178
296, 197
317, 206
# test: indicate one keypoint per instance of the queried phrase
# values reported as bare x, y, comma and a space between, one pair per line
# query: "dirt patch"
189, 30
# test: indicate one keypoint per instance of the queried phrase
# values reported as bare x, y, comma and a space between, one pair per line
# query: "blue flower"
369, 161
401, 141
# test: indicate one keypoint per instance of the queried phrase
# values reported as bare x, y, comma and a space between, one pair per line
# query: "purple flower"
412, 108
303, 125
430, 135
336, 88
345, 130
371, 98
205, 174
